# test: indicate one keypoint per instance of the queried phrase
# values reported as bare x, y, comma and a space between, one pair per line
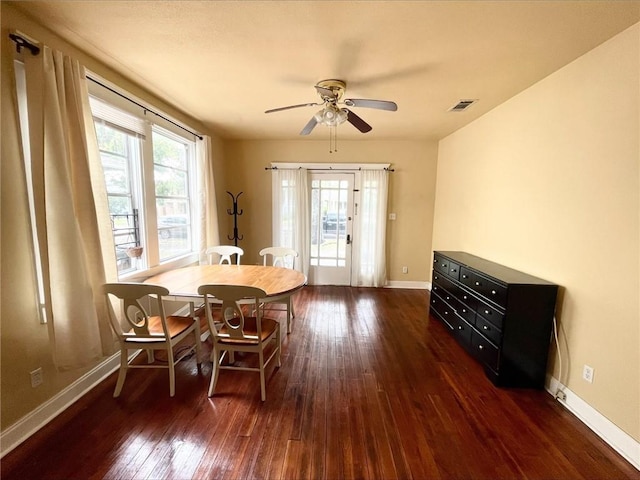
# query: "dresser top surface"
495, 270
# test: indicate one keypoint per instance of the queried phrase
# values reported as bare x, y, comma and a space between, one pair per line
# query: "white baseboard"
38, 418
619, 440
412, 285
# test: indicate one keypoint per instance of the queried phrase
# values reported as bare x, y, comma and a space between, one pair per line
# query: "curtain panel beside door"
291, 213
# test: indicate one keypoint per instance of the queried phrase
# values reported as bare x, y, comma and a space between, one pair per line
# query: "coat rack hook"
235, 212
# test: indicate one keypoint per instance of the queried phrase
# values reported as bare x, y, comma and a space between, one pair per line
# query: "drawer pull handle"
464, 276
493, 292
448, 298
484, 327
465, 297
487, 312
453, 270
481, 347
446, 313
464, 310
478, 284
459, 327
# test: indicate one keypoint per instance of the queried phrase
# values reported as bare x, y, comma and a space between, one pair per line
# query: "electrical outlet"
587, 373
36, 377
405, 269
562, 396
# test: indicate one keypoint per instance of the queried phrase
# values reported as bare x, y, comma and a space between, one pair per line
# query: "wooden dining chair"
280, 257
239, 332
224, 253
143, 331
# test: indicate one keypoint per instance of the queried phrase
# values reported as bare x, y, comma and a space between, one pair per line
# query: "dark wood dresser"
502, 317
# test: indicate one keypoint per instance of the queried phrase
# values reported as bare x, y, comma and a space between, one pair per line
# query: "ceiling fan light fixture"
331, 116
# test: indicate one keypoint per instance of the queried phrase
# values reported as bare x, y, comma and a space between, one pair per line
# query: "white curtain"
71, 209
209, 230
371, 268
291, 213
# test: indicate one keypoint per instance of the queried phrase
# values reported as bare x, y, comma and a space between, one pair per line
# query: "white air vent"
462, 105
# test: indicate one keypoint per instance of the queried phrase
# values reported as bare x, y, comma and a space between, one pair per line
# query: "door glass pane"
328, 222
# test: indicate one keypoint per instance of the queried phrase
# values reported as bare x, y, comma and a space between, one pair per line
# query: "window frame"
148, 221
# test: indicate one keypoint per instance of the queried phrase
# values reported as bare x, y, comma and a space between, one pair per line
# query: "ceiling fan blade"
357, 122
326, 92
291, 106
309, 126
379, 104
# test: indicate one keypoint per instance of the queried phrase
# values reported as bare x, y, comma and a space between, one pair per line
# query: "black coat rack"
235, 214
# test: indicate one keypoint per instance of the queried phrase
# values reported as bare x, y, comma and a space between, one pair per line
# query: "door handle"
348, 239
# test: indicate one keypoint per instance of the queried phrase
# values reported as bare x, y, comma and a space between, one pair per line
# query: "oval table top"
184, 282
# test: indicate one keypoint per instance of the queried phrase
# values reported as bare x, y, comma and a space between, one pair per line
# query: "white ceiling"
226, 62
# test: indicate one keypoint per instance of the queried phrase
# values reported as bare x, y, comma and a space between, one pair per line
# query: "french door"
331, 228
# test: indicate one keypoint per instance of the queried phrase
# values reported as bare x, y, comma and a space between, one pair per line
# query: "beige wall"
411, 193
548, 183
24, 342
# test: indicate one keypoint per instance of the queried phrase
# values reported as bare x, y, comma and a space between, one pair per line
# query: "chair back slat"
281, 256
135, 314
224, 252
232, 314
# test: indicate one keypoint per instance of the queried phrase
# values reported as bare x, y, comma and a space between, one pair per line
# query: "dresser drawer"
491, 314
484, 286
440, 280
485, 351
454, 271
462, 331
444, 311
488, 329
441, 264
465, 312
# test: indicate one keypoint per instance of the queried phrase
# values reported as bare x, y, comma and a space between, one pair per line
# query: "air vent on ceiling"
462, 105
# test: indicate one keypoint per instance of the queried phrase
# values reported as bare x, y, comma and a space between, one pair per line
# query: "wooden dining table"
277, 282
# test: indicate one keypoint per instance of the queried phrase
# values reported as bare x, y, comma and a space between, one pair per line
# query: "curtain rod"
22, 42
331, 168
146, 109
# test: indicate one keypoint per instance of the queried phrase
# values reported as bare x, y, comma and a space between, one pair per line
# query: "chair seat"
175, 324
250, 328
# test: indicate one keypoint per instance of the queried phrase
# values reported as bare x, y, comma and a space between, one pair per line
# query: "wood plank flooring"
370, 388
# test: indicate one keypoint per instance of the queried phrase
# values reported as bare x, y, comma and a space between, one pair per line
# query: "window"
149, 169
120, 155
173, 205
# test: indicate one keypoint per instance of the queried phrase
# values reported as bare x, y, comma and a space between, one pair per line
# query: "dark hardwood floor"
370, 387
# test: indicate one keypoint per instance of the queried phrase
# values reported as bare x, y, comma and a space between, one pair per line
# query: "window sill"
141, 275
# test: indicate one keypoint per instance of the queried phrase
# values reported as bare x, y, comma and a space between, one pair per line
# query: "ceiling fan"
333, 113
